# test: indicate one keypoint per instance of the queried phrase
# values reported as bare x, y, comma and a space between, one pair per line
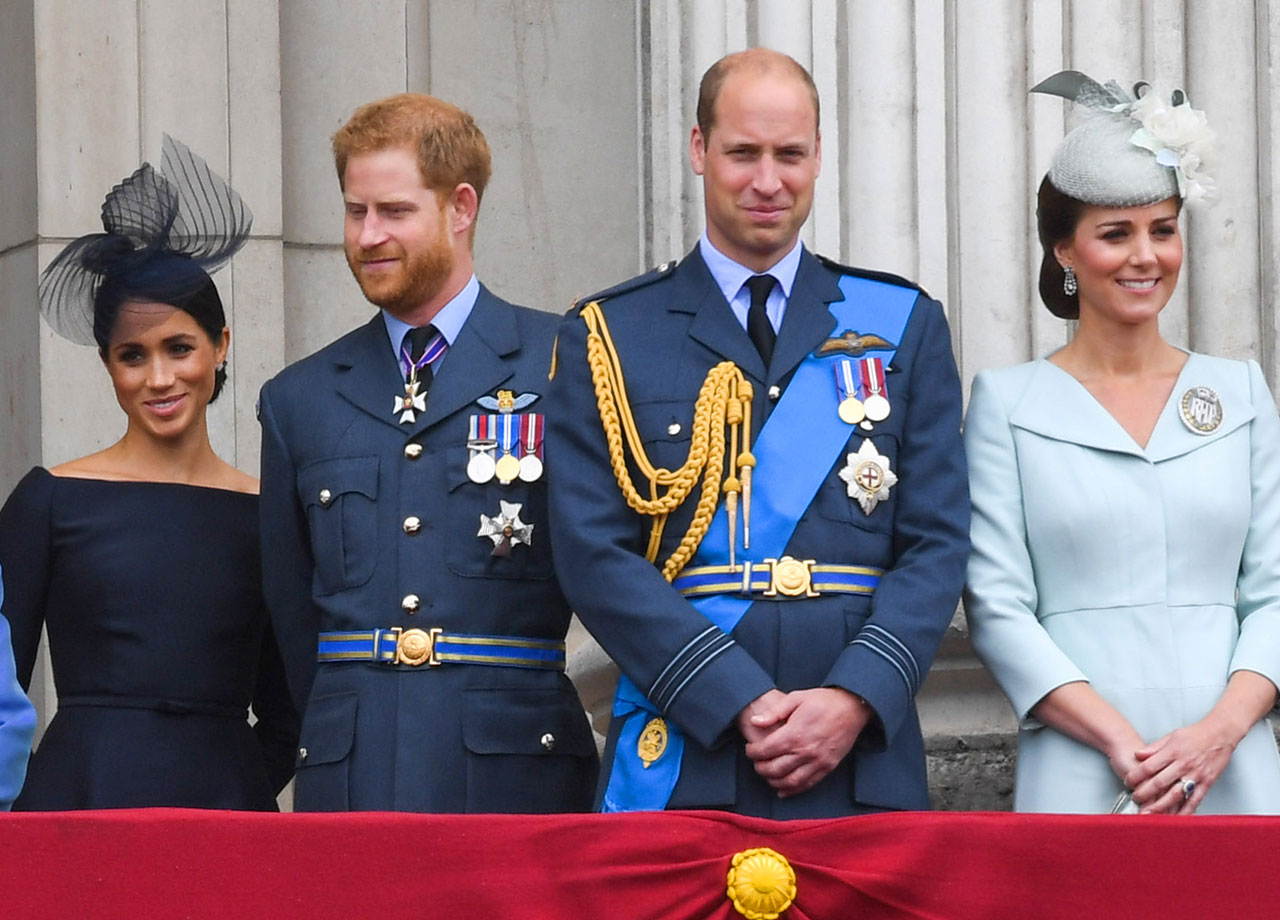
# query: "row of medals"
486, 464
869, 381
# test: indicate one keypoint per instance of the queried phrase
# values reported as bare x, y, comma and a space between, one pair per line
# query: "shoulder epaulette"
631, 284
884, 277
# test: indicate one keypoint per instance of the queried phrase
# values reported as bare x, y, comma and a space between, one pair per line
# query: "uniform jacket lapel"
807, 322
714, 324
367, 373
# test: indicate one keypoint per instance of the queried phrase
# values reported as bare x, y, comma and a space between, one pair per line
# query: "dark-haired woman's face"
1126, 260
162, 366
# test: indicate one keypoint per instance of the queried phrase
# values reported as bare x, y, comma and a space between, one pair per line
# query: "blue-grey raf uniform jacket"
368, 524
669, 328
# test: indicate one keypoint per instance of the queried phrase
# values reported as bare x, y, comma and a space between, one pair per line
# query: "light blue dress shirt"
448, 321
731, 278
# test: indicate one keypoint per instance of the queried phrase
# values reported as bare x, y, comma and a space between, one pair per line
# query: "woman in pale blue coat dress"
17, 720
1124, 586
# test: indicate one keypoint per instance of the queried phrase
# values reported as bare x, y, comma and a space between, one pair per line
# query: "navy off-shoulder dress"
159, 639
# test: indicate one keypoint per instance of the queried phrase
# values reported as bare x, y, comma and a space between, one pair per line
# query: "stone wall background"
932, 152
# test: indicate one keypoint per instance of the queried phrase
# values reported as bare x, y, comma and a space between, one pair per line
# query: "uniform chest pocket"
666, 431
472, 554
834, 501
340, 498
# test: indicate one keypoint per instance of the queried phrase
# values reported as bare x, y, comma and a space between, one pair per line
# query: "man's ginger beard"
417, 277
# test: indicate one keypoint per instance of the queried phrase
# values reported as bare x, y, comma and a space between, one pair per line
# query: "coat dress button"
413, 451
412, 524
548, 741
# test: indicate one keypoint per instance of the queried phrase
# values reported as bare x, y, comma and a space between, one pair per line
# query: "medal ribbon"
846, 386
871, 370
794, 468
532, 425
508, 433
435, 348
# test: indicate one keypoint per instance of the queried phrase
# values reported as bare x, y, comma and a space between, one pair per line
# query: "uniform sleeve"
1000, 596
695, 673
287, 565
1258, 595
277, 722
917, 597
26, 553
17, 720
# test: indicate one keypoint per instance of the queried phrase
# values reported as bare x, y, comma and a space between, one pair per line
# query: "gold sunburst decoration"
762, 883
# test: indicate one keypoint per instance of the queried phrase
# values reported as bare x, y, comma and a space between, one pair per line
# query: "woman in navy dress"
142, 560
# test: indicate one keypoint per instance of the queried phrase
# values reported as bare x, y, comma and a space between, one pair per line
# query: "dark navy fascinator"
165, 232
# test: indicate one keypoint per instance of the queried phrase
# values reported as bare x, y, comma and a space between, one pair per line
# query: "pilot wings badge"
852, 343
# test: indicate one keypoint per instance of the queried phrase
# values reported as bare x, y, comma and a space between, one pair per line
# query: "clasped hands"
795, 739
1156, 772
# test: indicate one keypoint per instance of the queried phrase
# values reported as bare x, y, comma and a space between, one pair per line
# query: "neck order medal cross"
868, 476
506, 530
411, 403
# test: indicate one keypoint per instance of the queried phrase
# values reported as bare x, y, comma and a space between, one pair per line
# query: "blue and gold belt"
434, 647
782, 578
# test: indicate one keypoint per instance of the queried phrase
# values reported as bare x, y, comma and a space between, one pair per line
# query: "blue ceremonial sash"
794, 468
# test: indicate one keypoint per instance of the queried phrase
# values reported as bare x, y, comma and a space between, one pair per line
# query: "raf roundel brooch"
1201, 410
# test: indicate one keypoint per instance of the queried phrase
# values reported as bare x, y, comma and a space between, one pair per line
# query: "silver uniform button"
774, 392
302, 753
325, 496
412, 524
673, 428
413, 451
411, 603
548, 741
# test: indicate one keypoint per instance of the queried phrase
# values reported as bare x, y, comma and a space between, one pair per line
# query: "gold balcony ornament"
762, 883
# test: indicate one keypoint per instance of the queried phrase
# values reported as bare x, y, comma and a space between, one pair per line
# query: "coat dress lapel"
1056, 405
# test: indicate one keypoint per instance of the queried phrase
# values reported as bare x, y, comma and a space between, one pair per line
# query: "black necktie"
419, 341
758, 326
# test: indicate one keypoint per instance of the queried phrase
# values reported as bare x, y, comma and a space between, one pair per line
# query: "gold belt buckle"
416, 647
790, 577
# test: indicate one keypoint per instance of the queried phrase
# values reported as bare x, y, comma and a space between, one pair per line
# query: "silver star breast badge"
868, 477
506, 530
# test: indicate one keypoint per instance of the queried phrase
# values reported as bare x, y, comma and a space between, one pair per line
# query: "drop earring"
1069, 286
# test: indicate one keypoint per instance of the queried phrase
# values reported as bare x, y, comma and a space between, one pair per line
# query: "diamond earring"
1069, 285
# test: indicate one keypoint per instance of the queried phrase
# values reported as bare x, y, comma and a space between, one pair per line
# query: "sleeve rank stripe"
685, 663
878, 643
893, 640
710, 657
694, 662
862, 640
653, 688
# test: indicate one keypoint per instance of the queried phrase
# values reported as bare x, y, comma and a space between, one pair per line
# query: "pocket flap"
508, 721
328, 729
322, 482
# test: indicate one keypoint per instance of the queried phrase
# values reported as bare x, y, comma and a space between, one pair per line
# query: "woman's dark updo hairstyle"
1057, 216
161, 277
